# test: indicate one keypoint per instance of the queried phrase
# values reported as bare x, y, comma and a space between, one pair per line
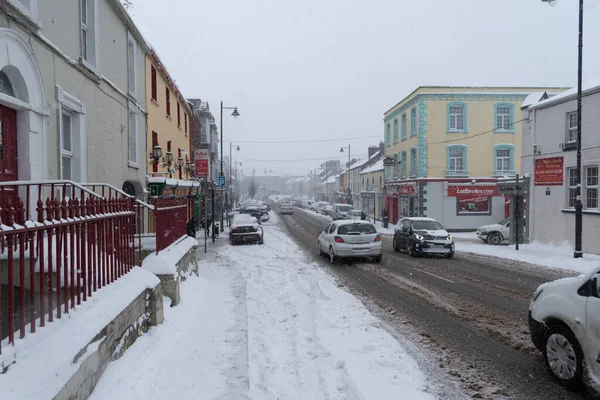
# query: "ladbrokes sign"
461, 191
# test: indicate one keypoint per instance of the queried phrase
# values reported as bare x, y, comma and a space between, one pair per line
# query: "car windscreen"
344, 208
427, 225
357, 229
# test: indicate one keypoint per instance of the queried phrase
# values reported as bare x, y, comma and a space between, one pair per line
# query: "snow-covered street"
265, 322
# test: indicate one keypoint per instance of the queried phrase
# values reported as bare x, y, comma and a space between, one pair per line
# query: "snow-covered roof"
364, 160
533, 98
378, 166
331, 179
587, 88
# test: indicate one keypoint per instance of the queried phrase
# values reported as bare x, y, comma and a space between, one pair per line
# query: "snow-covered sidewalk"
265, 322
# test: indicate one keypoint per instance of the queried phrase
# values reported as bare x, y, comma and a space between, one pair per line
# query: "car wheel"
412, 250
332, 257
563, 356
495, 238
321, 254
395, 245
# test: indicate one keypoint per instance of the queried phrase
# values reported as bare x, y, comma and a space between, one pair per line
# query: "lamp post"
578, 204
348, 177
235, 114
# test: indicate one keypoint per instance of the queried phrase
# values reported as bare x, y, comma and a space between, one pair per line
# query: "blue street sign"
221, 181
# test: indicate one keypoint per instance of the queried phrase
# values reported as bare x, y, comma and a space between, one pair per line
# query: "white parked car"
286, 208
350, 239
340, 211
564, 321
245, 229
495, 233
320, 205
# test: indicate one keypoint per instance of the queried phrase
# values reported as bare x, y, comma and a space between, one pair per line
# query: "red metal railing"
59, 243
171, 217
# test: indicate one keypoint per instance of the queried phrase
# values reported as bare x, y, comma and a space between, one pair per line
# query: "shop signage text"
549, 171
472, 190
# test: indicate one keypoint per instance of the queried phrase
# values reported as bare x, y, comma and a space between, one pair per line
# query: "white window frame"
30, 12
505, 119
455, 158
456, 117
589, 186
92, 65
505, 160
70, 104
571, 185
571, 130
132, 65
134, 163
63, 152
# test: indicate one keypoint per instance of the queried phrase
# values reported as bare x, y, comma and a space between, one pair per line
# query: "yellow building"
444, 138
168, 129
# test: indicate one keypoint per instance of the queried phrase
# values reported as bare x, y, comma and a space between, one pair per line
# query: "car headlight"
449, 238
419, 237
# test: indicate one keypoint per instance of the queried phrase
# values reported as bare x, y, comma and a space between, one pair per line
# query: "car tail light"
378, 238
339, 239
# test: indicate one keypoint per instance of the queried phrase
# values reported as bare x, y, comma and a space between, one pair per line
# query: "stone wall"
186, 266
112, 341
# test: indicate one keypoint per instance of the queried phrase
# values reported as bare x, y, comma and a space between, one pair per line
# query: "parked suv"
340, 211
564, 322
418, 235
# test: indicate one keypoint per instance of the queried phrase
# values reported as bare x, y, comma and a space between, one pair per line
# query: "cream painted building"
451, 145
168, 122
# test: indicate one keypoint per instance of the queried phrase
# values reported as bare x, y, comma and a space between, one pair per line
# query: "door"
8, 155
593, 331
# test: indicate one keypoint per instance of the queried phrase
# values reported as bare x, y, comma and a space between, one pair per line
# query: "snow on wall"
165, 262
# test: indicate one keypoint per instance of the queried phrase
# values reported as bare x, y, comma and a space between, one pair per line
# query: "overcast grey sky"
329, 69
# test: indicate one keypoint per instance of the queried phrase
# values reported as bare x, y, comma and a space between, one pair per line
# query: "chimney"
373, 150
381, 148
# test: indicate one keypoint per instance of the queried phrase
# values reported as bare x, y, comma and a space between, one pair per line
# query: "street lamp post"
578, 204
348, 177
235, 114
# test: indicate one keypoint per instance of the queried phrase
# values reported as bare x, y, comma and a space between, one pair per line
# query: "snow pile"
165, 262
325, 218
553, 256
265, 322
43, 361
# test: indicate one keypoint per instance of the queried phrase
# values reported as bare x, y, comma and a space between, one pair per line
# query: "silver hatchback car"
350, 239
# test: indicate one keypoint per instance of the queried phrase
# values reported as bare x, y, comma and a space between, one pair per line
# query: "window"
457, 117
153, 77
413, 162
572, 127
66, 146
395, 130
185, 122
396, 165
72, 137
403, 165
413, 121
154, 144
457, 160
28, 8
168, 100
387, 134
503, 159
133, 135
178, 115
403, 126
572, 177
591, 187
88, 31
131, 63
504, 117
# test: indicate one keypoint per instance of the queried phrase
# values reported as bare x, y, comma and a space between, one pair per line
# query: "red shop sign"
549, 171
472, 191
406, 190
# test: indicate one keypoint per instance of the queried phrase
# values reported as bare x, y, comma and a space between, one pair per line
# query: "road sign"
221, 180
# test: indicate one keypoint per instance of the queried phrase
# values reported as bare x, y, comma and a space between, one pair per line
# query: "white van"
564, 321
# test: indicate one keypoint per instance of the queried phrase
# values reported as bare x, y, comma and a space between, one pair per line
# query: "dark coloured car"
418, 236
245, 230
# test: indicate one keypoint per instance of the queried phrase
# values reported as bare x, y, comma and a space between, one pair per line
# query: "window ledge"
169, 117
572, 211
133, 164
450, 131
31, 17
504, 131
153, 101
89, 69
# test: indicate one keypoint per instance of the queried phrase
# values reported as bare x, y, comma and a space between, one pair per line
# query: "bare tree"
252, 187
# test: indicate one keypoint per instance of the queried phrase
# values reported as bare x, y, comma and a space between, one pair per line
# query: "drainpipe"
531, 221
